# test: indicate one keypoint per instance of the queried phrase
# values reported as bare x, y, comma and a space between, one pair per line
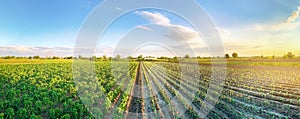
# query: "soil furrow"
135, 109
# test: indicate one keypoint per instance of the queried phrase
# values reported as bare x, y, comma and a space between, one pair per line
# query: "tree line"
289, 55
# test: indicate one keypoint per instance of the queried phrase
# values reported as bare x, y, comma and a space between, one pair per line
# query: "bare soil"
136, 104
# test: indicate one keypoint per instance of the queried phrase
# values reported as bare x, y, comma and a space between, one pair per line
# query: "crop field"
145, 90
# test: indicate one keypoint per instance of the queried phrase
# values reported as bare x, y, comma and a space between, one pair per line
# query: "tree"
55, 57
140, 58
273, 57
104, 57
36, 57
118, 57
68, 57
129, 57
290, 55
80, 57
234, 55
93, 58
187, 57
227, 56
9, 57
162, 57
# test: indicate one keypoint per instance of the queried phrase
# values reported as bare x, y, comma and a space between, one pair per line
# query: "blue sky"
252, 27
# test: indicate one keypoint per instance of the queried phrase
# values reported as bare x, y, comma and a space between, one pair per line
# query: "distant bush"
227, 56
187, 57
234, 55
289, 55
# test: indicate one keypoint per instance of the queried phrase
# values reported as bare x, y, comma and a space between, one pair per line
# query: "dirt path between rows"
136, 107
149, 103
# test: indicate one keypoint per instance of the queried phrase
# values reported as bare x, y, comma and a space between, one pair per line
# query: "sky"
251, 28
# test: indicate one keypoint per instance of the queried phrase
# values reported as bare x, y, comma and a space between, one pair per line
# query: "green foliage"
227, 56
9, 113
36, 57
1, 115
118, 57
129, 57
58, 111
52, 113
9, 57
140, 57
48, 90
289, 55
22, 113
38, 106
66, 116
104, 57
33, 116
54, 57
234, 55
187, 56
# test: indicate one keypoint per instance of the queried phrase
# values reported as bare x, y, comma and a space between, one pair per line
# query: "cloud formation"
294, 16
42, 51
177, 33
47, 51
290, 20
144, 27
156, 18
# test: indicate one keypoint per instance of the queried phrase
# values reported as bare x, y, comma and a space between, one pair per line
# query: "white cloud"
289, 23
20, 49
104, 50
48, 51
293, 16
182, 33
144, 27
286, 26
120, 9
225, 34
156, 18
186, 38
179, 33
42, 51
270, 27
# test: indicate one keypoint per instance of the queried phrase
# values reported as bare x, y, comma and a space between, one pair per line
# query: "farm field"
46, 89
